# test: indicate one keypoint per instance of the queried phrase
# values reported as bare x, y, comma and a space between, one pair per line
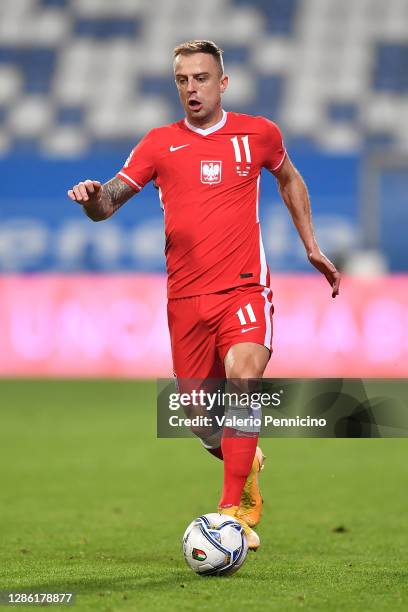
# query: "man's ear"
224, 83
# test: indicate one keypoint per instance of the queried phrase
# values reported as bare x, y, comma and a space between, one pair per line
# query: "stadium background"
81, 82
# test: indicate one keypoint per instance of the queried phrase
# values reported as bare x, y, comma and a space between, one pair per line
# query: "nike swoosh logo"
249, 329
172, 149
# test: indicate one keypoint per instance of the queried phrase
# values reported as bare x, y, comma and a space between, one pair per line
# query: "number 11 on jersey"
242, 167
237, 149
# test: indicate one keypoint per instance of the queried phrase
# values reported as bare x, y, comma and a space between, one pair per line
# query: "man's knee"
248, 366
245, 372
246, 360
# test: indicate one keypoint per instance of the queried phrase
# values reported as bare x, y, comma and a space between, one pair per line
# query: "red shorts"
204, 327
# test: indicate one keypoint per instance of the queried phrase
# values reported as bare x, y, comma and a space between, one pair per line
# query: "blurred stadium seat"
334, 74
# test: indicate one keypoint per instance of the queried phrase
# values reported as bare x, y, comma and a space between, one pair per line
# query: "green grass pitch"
92, 502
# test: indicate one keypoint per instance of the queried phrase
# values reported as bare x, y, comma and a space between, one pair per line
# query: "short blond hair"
200, 46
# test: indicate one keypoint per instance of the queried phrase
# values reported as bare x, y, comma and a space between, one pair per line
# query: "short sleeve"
274, 151
139, 167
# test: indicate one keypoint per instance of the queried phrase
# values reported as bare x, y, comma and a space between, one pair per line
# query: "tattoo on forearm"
116, 193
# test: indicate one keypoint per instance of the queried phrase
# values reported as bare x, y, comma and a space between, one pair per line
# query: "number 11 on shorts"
251, 315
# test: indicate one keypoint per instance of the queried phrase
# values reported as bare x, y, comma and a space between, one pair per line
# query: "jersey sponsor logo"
172, 148
211, 172
249, 329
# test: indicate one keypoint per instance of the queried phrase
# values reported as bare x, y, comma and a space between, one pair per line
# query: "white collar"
211, 129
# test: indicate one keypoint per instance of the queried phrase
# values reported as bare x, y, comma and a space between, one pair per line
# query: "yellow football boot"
252, 537
250, 507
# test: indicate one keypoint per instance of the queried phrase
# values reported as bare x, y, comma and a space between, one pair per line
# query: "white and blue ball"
215, 545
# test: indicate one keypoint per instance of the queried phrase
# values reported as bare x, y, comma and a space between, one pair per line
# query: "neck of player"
206, 122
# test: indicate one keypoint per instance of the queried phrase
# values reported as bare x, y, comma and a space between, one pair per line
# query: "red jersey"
208, 182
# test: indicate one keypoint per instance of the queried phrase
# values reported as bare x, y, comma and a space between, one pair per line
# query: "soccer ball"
215, 545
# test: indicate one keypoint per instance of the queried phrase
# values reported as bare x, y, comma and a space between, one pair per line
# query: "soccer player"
207, 169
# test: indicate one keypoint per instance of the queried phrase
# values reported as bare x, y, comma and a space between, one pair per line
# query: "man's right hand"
86, 192
99, 201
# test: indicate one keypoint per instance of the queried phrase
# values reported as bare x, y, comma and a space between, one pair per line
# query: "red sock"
217, 452
239, 450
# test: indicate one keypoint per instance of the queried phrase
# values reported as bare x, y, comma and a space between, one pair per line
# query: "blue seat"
391, 68
106, 28
279, 14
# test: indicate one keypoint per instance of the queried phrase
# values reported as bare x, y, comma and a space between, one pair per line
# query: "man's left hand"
325, 266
